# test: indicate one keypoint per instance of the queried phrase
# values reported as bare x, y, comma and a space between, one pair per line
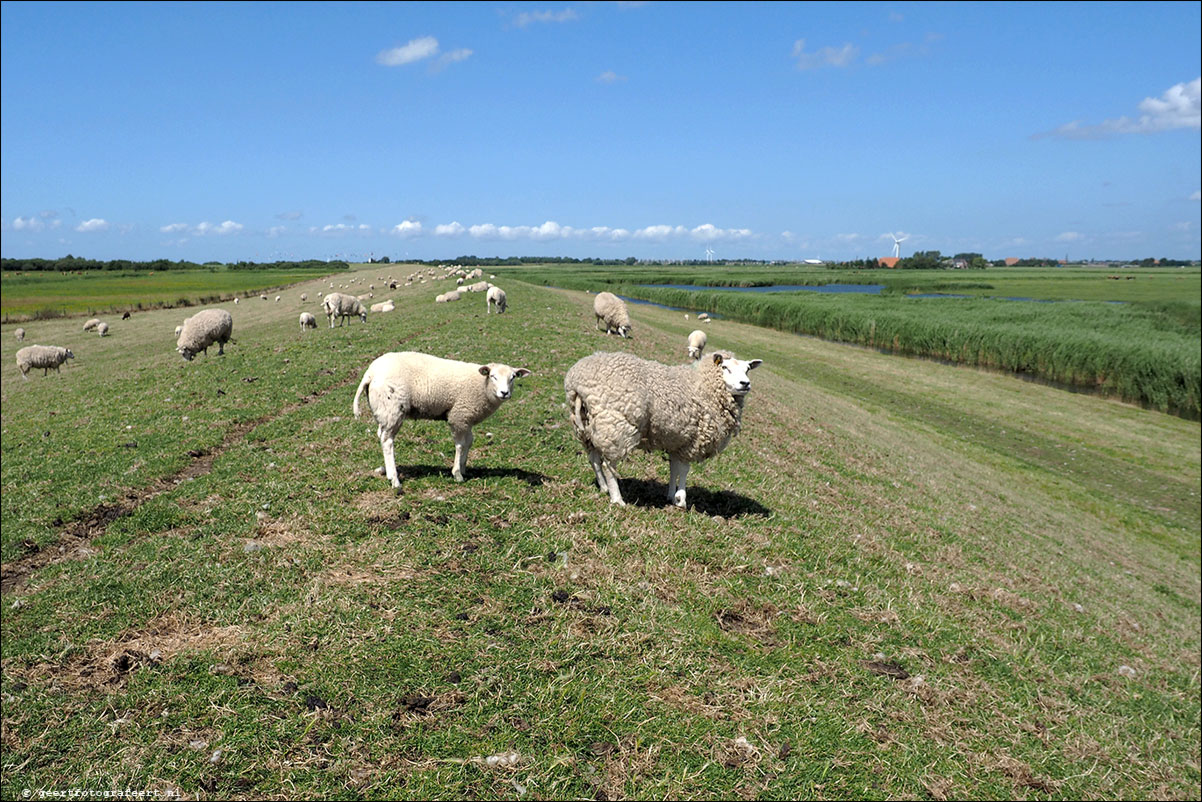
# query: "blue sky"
770, 131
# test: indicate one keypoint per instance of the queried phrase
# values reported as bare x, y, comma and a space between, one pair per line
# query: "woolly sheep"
262, 297
235, 300
277, 299
496, 295
91, 324
696, 343
408, 384
206, 327
479, 286
611, 311
341, 306
19, 334
383, 306
304, 297
618, 402
42, 356
307, 321
103, 329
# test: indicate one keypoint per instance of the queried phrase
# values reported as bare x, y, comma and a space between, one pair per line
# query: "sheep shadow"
726, 503
409, 472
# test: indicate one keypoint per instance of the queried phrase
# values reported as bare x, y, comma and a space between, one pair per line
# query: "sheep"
103, 329
618, 402
479, 286
304, 297
277, 299
383, 306
611, 311
696, 344
496, 295
19, 334
42, 356
307, 321
338, 305
235, 300
125, 316
206, 327
408, 384
91, 324
179, 328
447, 297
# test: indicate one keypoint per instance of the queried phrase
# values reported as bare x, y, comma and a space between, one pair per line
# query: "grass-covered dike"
902, 579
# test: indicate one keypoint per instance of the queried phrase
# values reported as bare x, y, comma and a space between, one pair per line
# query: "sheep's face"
186, 353
734, 373
624, 331
500, 378
363, 317
69, 354
694, 352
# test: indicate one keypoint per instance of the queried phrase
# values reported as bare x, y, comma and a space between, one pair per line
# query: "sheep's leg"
463, 442
611, 480
220, 348
594, 457
678, 469
386, 445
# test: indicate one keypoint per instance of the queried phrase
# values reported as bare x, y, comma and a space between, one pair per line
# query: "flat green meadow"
903, 578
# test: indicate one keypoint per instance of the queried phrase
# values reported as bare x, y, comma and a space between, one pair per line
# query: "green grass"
267, 620
36, 295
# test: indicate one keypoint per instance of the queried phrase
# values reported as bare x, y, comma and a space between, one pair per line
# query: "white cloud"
228, 227
462, 54
826, 57
707, 232
659, 232
527, 17
28, 224
95, 224
452, 229
1180, 106
409, 228
609, 77
415, 50
172, 228
1070, 236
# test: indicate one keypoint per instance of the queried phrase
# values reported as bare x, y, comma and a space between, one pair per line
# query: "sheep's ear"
521, 373
717, 359
755, 363
484, 370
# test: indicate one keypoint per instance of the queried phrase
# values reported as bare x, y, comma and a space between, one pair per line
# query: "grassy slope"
1011, 544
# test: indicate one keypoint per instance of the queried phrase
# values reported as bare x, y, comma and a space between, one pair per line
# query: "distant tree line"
71, 263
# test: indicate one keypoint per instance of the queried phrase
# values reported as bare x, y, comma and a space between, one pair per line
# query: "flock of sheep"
617, 402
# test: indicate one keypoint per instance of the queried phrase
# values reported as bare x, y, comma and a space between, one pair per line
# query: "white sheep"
180, 328
341, 306
19, 334
408, 384
618, 402
304, 297
91, 324
103, 329
307, 321
206, 327
383, 306
496, 295
262, 297
611, 311
697, 341
447, 297
277, 299
42, 356
235, 300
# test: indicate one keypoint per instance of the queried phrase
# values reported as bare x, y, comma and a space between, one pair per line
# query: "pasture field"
902, 579
35, 295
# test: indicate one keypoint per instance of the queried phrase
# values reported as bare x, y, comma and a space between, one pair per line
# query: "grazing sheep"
414, 385
496, 295
307, 321
42, 356
206, 327
235, 300
91, 324
611, 310
125, 316
341, 306
618, 402
19, 334
703, 316
696, 344
304, 297
103, 329
262, 297
277, 299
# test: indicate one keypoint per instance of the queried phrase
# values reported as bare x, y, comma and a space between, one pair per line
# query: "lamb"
618, 402
307, 321
206, 327
496, 295
408, 384
696, 344
42, 356
19, 334
103, 329
611, 310
342, 306
91, 324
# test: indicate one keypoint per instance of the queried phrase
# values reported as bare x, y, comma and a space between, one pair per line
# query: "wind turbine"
897, 244
709, 254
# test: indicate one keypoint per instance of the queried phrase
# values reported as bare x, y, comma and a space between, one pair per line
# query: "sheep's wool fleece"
611, 309
627, 402
206, 327
342, 305
41, 356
